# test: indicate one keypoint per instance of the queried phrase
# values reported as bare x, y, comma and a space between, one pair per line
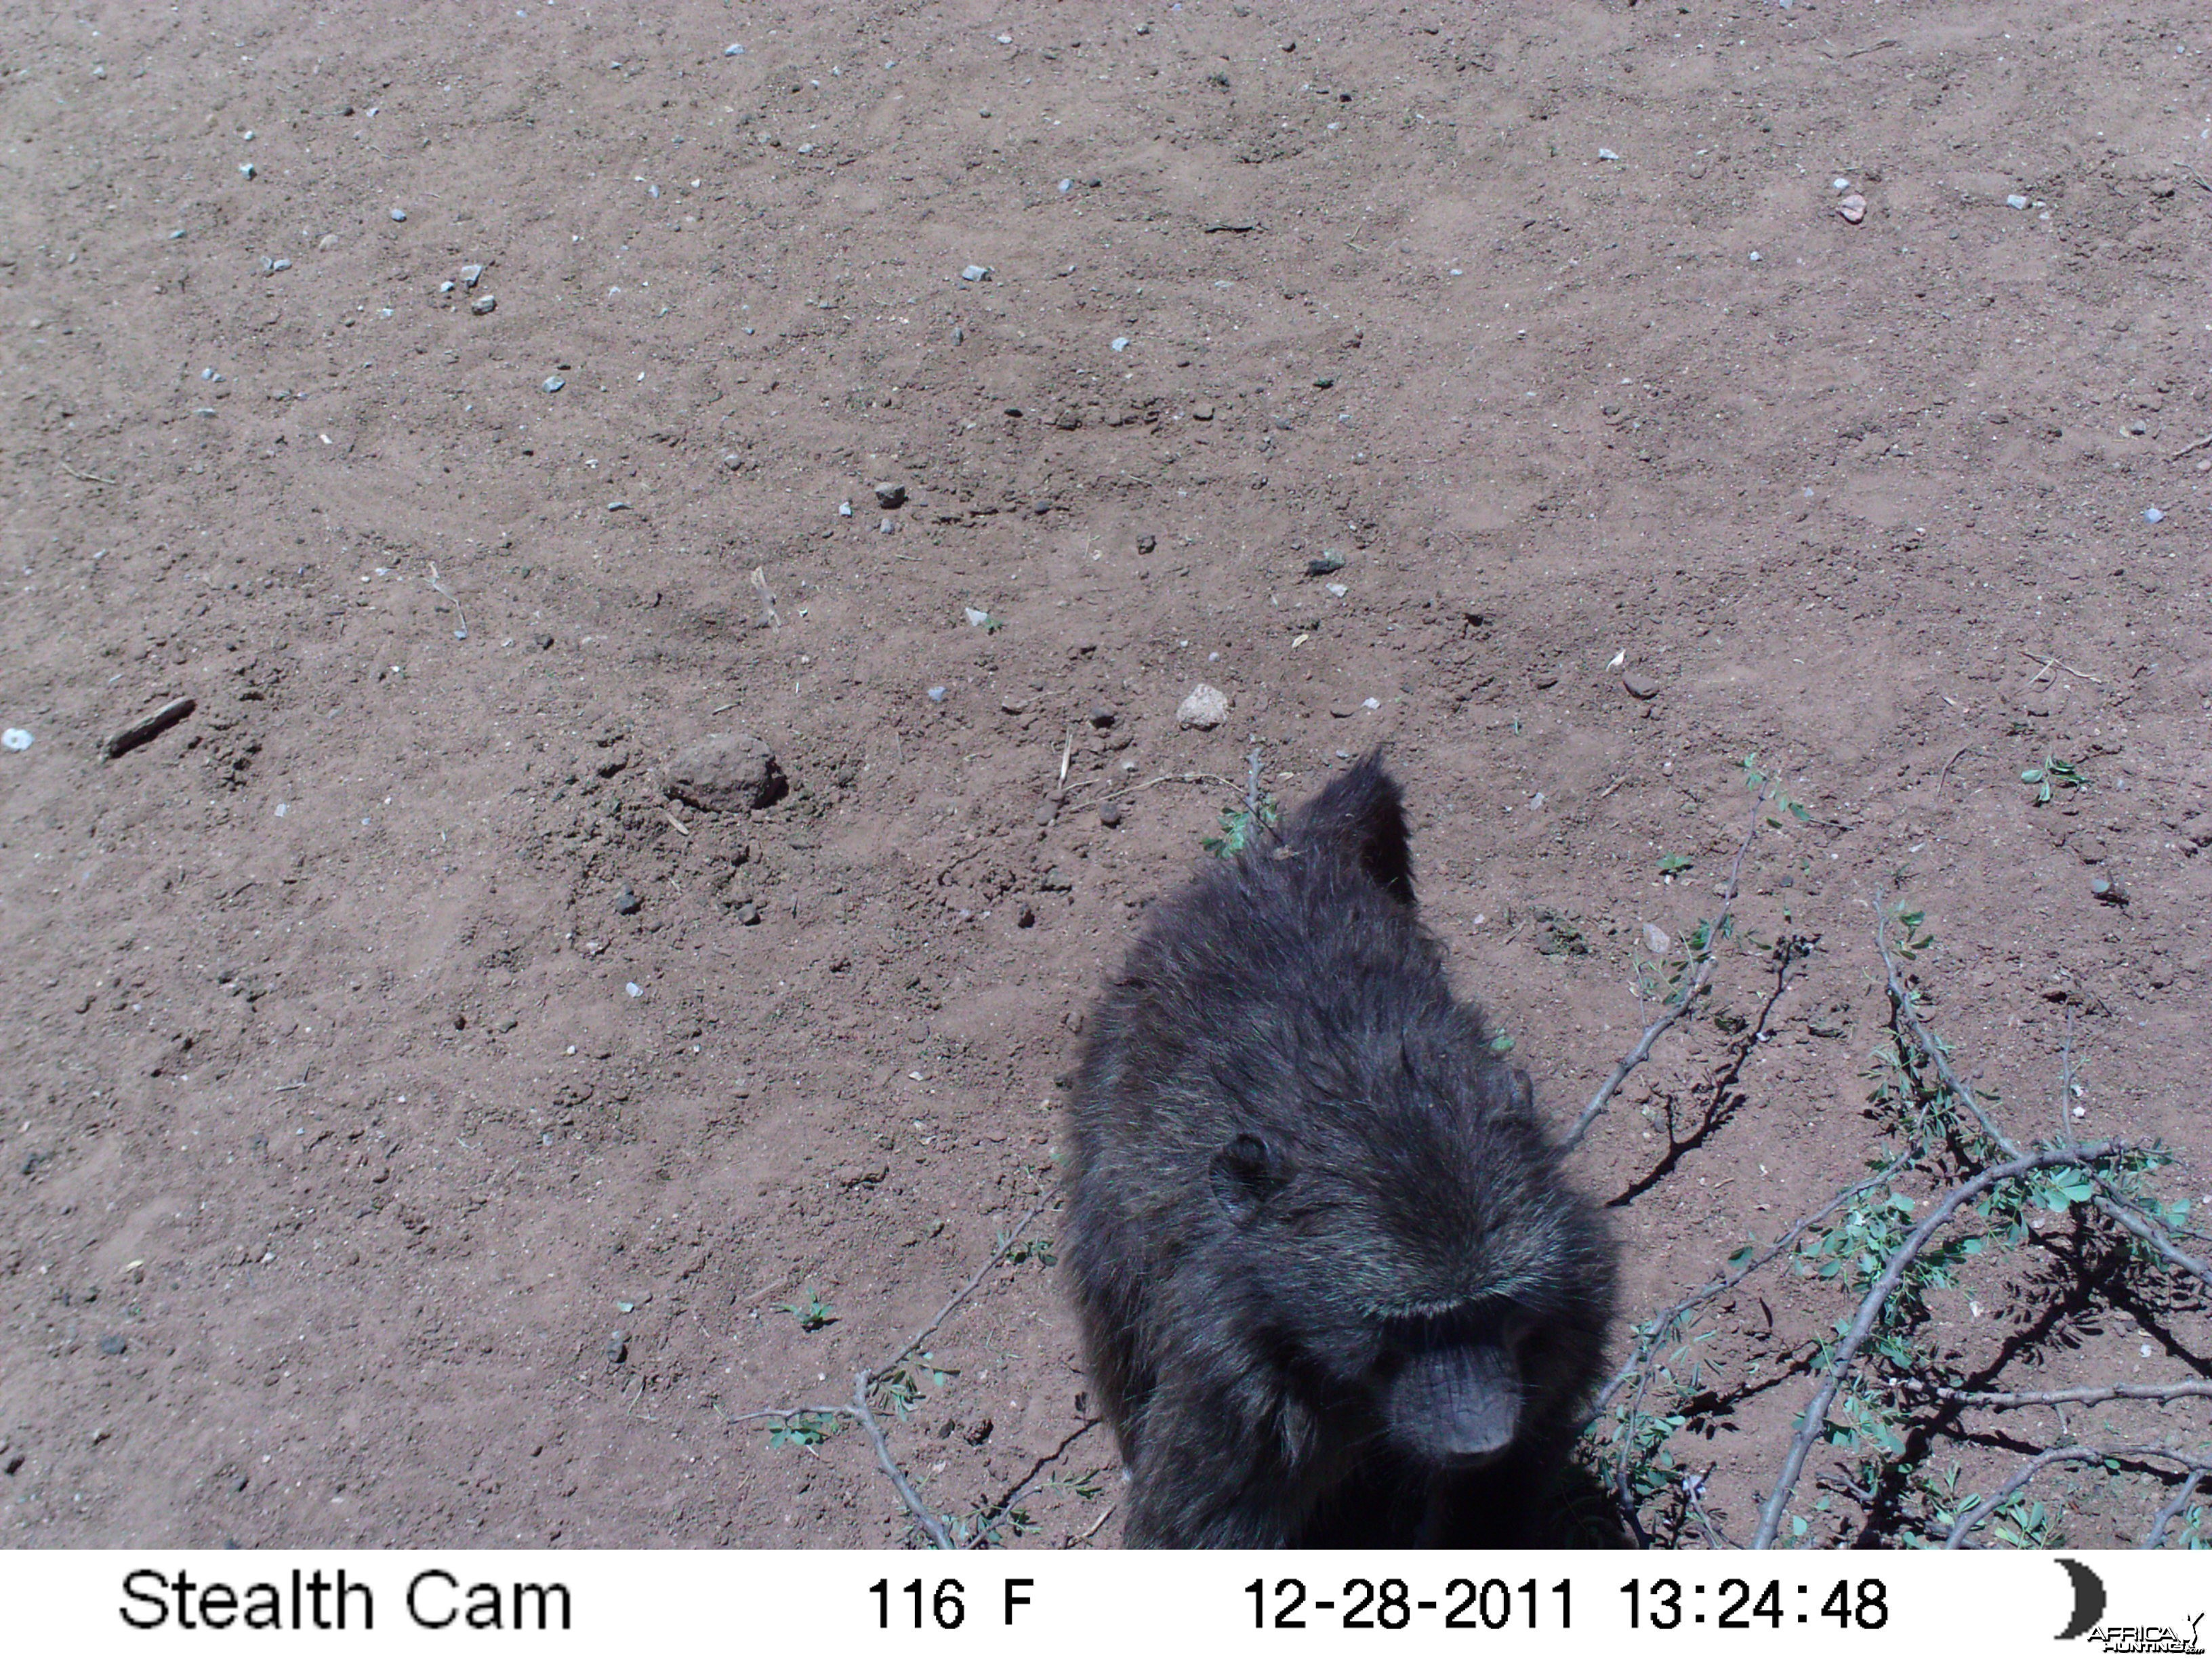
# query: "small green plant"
812, 1314
900, 1386
2053, 773
1673, 864
1754, 780
1237, 828
1501, 1044
1039, 1250
805, 1428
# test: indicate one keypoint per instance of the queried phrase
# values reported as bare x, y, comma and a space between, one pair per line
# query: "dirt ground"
419, 1129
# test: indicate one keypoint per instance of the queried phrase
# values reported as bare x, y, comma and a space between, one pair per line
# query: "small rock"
1146, 544
890, 495
627, 903
2105, 890
1045, 814
733, 50
1025, 918
1852, 208
1608, 156
975, 274
2089, 849
323, 244
618, 506
484, 304
1655, 939
2017, 203
726, 774
1101, 717
1110, 814
113, 1345
399, 215
2153, 515
1204, 708
1546, 679
471, 273
982, 1431
633, 989
553, 383
936, 693
1328, 564
749, 915
1014, 705
245, 169
1324, 381
1202, 412
844, 509
618, 1347
16, 737
1119, 342
1639, 685
975, 619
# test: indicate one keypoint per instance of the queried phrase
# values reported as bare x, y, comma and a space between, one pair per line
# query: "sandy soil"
375, 1172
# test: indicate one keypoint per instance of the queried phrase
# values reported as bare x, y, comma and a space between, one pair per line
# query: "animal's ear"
1363, 814
1245, 1174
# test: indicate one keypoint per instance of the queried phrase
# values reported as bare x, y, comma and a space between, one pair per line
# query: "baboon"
1334, 1291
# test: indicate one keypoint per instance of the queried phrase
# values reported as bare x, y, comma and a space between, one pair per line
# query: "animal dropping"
1333, 1289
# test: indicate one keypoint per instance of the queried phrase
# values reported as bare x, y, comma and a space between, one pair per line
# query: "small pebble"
1146, 544
1205, 707
1014, 705
1102, 717
975, 273
844, 509
937, 694
1066, 185
975, 619
471, 273
2018, 203
749, 915
618, 1347
1110, 814
1852, 209
245, 169
733, 50
1639, 685
2153, 515
633, 989
16, 737
1322, 382
1607, 155
113, 1345
484, 304
553, 383
617, 506
627, 903
2105, 890
890, 495
399, 215
324, 243
1545, 680
1655, 939
1120, 343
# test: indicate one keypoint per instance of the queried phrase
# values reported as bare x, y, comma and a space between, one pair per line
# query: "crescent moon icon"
2089, 1599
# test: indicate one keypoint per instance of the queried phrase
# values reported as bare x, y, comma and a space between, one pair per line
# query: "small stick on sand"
151, 726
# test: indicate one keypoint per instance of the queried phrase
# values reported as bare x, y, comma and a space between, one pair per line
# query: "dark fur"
1323, 1258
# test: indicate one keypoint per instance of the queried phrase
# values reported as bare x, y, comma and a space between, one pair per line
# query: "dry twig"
1983, 1400
1682, 1005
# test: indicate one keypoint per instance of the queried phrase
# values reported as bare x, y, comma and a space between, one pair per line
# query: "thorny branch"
1816, 1421
1982, 1509
1682, 1004
2113, 1203
1983, 1400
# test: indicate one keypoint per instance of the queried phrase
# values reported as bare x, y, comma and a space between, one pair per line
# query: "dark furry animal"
1332, 1291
